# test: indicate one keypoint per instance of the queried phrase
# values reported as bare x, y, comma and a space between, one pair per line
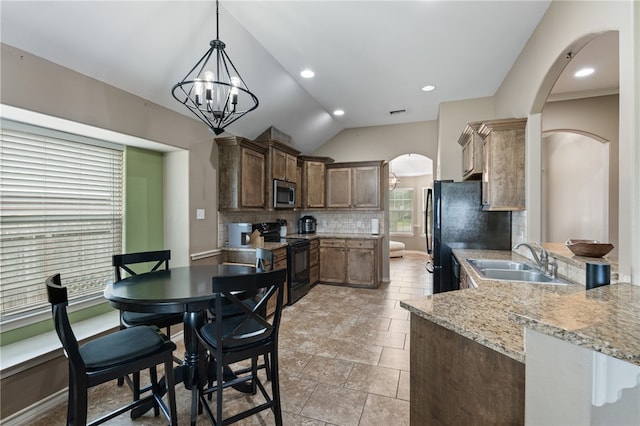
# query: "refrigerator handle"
430, 267
426, 221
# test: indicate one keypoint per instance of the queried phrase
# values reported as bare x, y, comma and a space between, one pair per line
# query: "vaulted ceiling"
369, 57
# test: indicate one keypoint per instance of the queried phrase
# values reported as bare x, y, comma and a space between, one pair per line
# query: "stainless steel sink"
516, 275
499, 264
513, 271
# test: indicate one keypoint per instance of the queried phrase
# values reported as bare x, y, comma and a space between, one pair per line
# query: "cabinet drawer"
361, 244
314, 243
332, 243
279, 255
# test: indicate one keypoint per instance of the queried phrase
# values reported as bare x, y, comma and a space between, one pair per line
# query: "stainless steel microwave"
284, 194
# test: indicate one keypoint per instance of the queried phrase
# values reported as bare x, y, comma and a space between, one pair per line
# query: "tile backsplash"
329, 221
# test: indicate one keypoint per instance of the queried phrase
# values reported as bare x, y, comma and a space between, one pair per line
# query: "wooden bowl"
588, 248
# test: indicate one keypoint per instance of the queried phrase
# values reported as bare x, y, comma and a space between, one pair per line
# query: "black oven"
298, 251
298, 269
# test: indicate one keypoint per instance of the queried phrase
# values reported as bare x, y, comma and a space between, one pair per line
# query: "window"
60, 212
401, 210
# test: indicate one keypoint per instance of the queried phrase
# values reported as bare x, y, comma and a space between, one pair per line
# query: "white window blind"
60, 212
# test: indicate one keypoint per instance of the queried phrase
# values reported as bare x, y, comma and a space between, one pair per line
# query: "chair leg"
219, 381
171, 391
79, 404
275, 390
153, 375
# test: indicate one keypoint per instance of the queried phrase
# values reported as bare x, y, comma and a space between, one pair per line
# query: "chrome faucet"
548, 267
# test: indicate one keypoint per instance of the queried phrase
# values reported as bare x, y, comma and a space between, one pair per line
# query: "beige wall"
597, 116
382, 142
523, 92
32, 83
452, 119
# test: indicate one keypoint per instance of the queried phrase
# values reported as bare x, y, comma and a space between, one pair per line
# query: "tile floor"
344, 359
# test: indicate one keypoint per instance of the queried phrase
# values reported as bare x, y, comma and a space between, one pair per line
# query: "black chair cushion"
250, 328
121, 347
132, 319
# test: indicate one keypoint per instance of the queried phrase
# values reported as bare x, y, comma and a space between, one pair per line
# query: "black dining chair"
243, 337
135, 264
109, 357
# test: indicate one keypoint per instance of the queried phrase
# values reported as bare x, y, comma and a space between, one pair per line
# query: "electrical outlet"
199, 214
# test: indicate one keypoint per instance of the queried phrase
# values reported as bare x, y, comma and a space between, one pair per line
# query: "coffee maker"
239, 234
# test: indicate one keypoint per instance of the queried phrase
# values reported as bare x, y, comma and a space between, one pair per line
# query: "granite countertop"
604, 319
482, 314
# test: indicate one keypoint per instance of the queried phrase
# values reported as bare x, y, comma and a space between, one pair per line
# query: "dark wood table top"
181, 289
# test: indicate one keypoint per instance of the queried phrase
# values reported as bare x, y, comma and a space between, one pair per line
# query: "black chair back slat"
123, 261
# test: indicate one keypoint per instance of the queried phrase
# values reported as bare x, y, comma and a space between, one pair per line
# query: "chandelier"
215, 93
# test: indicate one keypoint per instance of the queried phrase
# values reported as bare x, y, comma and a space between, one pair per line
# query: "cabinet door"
361, 266
278, 164
291, 168
279, 262
314, 261
339, 187
314, 184
366, 187
332, 261
252, 179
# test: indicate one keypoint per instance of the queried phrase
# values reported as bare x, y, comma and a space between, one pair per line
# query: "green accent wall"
143, 200
143, 227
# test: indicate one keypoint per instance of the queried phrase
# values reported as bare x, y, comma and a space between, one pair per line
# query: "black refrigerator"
455, 219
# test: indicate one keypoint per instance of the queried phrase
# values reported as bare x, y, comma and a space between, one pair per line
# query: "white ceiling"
370, 57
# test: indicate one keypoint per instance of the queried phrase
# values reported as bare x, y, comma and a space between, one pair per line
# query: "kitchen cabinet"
472, 158
283, 163
355, 185
279, 262
503, 174
333, 260
362, 263
349, 261
314, 261
312, 188
241, 174
457, 381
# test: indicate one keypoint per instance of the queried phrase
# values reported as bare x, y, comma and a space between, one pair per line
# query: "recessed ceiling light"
307, 73
584, 72
428, 88
338, 112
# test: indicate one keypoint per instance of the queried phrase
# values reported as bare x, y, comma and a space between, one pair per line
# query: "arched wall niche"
539, 194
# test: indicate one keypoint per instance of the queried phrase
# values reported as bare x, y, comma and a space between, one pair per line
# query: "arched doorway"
410, 175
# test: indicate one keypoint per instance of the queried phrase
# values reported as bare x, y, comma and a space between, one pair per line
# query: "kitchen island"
467, 346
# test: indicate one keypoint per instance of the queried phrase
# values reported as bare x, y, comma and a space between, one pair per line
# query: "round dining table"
185, 290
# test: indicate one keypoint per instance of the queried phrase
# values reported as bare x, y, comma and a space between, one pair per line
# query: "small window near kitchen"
401, 211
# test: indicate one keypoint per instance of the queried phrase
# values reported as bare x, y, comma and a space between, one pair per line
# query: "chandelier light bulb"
198, 90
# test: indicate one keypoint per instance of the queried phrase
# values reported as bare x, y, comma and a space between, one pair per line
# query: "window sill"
28, 353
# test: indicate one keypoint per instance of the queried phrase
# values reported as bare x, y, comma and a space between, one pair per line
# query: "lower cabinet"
333, 260
349, 261
314, 261
456, 381
279, 262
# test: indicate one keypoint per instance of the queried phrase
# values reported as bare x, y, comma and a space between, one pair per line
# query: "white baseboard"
32, 412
